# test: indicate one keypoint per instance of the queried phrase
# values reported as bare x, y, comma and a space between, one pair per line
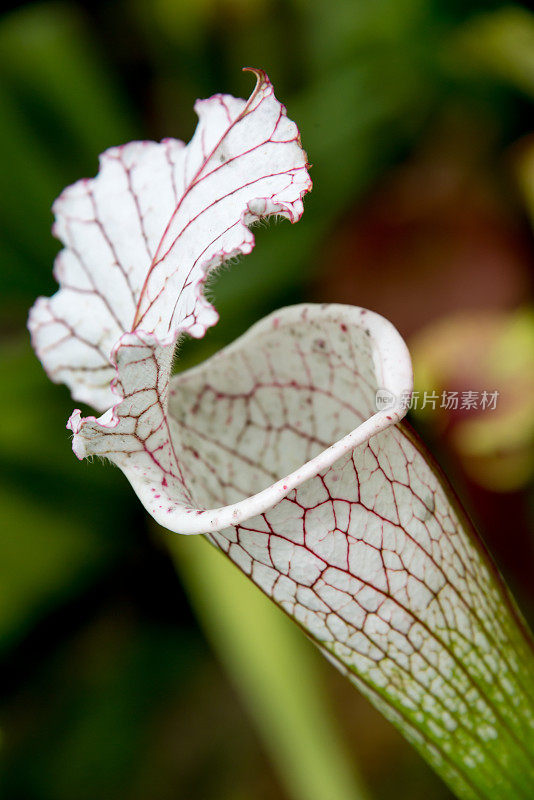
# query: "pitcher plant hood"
276, 447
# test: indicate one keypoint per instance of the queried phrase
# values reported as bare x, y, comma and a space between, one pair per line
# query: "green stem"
274, 671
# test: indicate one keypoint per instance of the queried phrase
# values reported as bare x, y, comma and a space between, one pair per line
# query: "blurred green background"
137, 665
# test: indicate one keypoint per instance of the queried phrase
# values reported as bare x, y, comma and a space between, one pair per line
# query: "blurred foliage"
524, 164
503, 44
479, 352
408, 110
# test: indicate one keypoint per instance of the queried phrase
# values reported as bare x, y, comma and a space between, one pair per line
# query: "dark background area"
417, 119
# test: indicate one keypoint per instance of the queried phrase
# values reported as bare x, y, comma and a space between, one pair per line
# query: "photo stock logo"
468, 400
385, 399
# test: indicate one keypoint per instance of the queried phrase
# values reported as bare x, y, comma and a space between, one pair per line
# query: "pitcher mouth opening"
294, 394
227, 440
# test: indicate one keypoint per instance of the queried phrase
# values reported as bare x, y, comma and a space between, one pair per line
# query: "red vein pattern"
366, 551
369, 556
274, 447
141, 237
